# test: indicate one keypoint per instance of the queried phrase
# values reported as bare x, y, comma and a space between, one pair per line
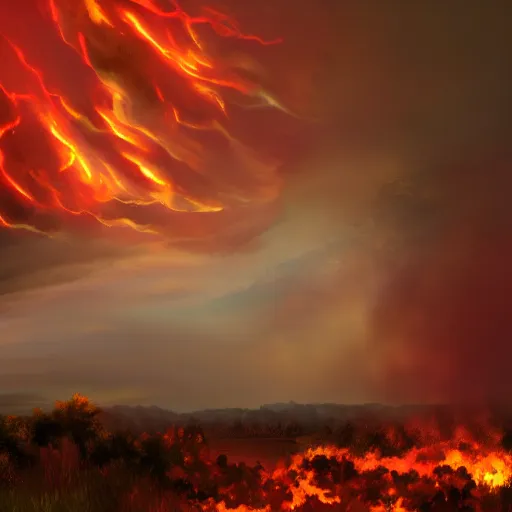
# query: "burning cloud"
148, 136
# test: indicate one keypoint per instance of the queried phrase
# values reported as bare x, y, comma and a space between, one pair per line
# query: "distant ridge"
280, 413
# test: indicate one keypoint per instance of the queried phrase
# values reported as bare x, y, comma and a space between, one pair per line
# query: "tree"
506, 441
46, 430
78, 418
9, 445
237, 429
222, 461
345, 435
293, 429
155, 457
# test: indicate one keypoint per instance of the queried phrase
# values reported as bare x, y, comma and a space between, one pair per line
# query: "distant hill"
280, 415
274, 420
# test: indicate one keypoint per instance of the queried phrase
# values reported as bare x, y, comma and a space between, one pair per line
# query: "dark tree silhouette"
10, 446
46, 430
78, 418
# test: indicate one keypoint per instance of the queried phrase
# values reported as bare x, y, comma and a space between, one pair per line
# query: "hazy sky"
381, 273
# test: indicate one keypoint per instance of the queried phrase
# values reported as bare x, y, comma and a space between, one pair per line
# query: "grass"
88, 491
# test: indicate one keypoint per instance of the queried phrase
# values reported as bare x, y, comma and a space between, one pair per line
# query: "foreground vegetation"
66, 461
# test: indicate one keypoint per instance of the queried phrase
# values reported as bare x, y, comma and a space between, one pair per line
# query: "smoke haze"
378, 272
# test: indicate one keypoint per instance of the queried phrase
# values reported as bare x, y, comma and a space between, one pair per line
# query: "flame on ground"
152, 132
456, 474
439, 477
436, 469
385, 467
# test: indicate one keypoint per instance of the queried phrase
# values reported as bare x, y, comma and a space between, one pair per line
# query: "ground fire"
148, 130
387, 466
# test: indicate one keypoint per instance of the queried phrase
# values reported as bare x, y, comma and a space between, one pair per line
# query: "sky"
370, 264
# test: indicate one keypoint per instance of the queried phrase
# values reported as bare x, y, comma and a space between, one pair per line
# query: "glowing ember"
457, 474
153, 132
334, 477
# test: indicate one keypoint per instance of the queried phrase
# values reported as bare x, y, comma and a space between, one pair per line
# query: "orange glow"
93, 144
457, 474
489, 469
96, 13
145, 170
338, 478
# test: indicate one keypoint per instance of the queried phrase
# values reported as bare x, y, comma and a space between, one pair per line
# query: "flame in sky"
152, 133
